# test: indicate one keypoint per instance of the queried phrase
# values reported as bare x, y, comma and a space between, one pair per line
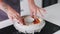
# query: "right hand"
12, 14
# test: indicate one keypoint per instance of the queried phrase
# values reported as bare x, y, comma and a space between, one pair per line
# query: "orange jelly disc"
36, 21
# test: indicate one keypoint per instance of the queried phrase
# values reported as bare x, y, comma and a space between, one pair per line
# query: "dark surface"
48, 29
49, 2
3, 15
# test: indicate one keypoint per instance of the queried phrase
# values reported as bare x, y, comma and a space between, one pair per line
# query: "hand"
12, 14
35, 9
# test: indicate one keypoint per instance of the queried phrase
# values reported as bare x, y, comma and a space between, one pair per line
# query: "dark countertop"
48, 29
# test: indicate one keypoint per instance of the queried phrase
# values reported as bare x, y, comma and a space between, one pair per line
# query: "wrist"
4, 7
31, 2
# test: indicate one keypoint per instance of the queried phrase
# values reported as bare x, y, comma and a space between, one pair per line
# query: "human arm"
12, 14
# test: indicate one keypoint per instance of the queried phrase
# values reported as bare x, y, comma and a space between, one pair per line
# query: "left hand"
34, 9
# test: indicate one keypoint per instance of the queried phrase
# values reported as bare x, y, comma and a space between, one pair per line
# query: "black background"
46, 3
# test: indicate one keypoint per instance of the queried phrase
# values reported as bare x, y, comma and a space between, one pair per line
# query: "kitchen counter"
53, 14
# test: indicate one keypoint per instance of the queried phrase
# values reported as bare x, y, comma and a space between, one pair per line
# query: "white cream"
28, 20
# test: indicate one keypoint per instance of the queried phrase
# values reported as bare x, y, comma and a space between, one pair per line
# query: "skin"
35, 9
12, 14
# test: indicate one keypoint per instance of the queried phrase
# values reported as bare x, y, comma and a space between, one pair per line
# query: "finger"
19, 19
10, 17
31, 13
35, 14
39, 10
44, 11
19, 14
16, 16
